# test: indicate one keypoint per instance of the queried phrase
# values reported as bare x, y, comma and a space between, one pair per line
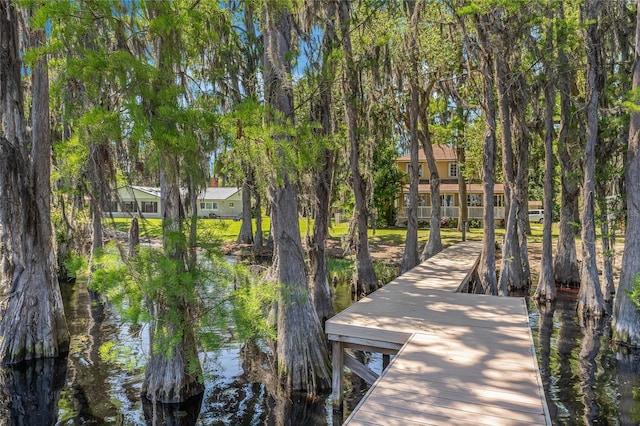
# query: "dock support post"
385, 361
338, 363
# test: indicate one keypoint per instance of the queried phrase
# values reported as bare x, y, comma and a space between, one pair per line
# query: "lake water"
585, 380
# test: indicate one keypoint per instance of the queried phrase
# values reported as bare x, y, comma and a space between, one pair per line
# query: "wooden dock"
459, 358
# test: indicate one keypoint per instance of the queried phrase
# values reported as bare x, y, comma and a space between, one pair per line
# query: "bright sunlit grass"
227, 230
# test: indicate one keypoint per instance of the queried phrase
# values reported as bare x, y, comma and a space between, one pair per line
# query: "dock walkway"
459, 358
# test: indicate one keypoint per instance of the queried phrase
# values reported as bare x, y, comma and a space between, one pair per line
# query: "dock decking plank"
466, 358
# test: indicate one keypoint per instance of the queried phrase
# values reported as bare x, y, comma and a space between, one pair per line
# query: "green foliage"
120, 355
221, 297
75, 264
387, 183
119, 285
251, 302
634, 293
385, 272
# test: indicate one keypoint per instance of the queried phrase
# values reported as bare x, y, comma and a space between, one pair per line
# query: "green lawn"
226, 230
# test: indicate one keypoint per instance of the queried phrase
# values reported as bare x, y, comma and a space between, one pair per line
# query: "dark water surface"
586, 382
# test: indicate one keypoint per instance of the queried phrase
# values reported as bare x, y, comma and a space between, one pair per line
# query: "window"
498, 200
446, 200
208, 206
453, 169
129, 206
230, 204
474, 200
422, 200
149, 207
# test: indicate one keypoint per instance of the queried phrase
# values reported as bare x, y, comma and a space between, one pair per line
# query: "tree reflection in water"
30, 391
586, 380
545, 327
589, 349
183, 414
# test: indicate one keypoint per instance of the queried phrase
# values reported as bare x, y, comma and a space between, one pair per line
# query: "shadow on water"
183, 414
30, 391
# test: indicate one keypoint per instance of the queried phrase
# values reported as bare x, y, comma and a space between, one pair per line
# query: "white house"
145, 201
135, 201
224, 202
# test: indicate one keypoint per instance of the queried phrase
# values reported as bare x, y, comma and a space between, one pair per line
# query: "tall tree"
510, 269
32, 321
590, 301
365, 275
511, 30
565, 266
546, 284
487, 265
321, 111
250, 48
173, 372
614, 34
410, 258
303, 363
626, 321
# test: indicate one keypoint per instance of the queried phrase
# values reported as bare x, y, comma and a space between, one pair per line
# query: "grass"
220, 231
227, 230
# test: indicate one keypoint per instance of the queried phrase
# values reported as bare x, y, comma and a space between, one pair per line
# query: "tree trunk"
590, 301
626, 321
192, 242
519, 102
546, 289
303, 362
32, 323
173, 373
365, 274
257, 238
434, 243
410, 258
487, 265
98, 158
318, 251
96, 235
134, 237
462, 189
246, 229
511, 273
607, 243
565, 267
322, 114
